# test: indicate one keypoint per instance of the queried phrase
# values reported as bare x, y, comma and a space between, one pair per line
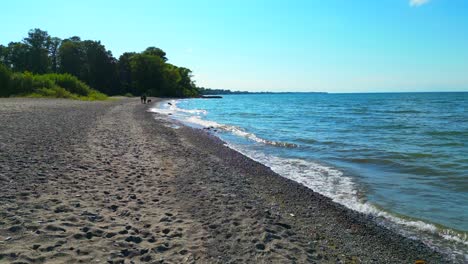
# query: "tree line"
146, 72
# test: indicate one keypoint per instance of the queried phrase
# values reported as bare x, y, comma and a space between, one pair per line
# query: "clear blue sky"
256, 45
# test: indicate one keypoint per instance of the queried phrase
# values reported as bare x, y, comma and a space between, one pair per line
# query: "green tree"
147, 74
90, 62
172, 78
186, 78
156, 52
125, 73
3, 54
38, 42
5, 76
100, 68
17, 56
71, 56
53, 53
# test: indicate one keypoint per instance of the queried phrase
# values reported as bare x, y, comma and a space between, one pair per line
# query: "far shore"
110, 182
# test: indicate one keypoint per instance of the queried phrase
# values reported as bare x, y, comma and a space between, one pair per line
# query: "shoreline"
447, 240
219, 146
398, 224
107, 181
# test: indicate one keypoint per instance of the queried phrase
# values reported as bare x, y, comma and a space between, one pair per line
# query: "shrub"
94, 96
21, 83
42, 81
70, 83
5, 76
51, 85
54, 92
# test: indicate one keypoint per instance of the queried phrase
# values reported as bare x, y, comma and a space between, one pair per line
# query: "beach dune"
109, 182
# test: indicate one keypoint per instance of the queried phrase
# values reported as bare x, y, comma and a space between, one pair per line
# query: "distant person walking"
143, 99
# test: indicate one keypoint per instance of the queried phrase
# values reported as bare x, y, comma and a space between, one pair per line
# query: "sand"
109, 182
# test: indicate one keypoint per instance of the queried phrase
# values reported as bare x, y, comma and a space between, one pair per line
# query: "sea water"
399, 157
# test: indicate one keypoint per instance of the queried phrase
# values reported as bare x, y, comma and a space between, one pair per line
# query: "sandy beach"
109, 182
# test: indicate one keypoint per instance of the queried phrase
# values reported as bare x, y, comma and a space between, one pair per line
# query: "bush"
42, 81
5, 76
95, 96
21, 83
49, 85
55, 92
70, 83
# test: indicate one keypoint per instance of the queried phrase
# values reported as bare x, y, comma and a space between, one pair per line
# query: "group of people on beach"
143, 98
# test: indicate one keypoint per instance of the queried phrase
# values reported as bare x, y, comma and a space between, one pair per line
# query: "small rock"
161, 248
54, 228
134, 239
165, 219
110, 234
15, 229
78, 236
260, 246
283, 225
146, 258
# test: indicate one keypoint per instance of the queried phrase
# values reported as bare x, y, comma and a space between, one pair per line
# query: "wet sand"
109, 182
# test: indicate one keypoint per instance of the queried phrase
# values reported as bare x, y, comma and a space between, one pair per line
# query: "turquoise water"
401, 157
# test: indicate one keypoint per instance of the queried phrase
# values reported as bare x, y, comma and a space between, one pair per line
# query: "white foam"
235, 130
170, 107
194, 117
201, 122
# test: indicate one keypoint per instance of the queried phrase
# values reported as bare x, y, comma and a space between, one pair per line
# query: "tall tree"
17, 56
156, 52
100, 69
3, 54
171, 81
4, 80
53, 53
125, 73
38, 42
186, 78
147, 74
71, 56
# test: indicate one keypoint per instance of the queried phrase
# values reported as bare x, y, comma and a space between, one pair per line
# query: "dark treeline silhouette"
134, 73
210, 91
